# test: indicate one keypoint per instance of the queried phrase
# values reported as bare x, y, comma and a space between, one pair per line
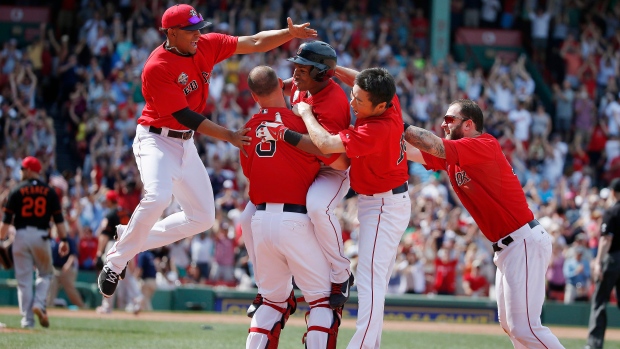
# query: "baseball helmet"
321, 56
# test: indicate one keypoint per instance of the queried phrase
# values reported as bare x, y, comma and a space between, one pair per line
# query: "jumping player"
283, 239
29, 208
175, 84
379, 175
315, 64
484, 182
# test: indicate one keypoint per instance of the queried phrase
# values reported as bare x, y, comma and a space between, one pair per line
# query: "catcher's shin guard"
273, 335
332, 331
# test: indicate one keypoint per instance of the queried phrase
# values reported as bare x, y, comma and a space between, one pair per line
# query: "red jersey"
485, 183
331, 108
376, 147
171, 82
278, 172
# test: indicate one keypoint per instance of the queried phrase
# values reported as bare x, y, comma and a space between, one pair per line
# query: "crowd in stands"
72, 96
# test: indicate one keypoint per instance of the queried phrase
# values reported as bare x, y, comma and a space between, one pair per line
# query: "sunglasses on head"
195, 19
448, 119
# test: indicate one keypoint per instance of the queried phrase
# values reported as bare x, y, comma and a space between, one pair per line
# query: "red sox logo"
461, 178
193, 13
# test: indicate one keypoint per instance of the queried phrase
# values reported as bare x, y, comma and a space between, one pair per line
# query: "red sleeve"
468, 151
433, 163
223, 46
362, 140
166, 96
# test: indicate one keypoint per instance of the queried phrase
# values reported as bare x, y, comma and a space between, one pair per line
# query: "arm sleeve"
188, 118
10, 208
362, 140
55, 207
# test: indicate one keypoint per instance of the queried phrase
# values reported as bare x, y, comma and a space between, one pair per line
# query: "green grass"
69, 333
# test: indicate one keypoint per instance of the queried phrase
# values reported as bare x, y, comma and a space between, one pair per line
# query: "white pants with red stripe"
520, 285
383, 219
324, 195
285, 246
168, 166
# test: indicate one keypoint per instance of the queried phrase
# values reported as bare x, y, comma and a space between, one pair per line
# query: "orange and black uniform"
115, 216
31, 204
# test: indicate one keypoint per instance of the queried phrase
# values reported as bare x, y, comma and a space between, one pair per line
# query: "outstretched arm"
270, 39
346, 75
425, 141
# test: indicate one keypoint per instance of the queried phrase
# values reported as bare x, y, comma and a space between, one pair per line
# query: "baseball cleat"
107, 282
42, 315
340, 293
258, 301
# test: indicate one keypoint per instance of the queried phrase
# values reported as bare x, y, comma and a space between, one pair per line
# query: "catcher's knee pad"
332, 331
273, 335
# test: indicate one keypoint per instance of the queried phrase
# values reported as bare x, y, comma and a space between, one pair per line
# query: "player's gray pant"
598, 314
31, 251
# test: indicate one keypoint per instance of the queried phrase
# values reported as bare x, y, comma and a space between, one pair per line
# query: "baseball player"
484, 182
282, 234
29, 208
315, 64
175, 85
379, 175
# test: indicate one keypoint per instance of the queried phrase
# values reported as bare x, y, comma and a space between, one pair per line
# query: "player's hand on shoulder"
271, 131
239, 139
302, 109
302, 31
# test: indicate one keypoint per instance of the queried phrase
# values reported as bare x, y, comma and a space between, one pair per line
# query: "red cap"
183, 16
111, 195
31, 163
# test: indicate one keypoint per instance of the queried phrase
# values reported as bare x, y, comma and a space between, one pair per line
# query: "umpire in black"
605, 269
29, 208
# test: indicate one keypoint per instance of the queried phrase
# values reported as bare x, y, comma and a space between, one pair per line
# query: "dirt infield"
413, 326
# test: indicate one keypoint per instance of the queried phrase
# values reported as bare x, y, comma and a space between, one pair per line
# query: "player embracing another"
379, 175
315, 64
488, 188
175, 85
283, 238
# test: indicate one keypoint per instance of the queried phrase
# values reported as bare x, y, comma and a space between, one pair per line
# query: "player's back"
278, 172
33, 203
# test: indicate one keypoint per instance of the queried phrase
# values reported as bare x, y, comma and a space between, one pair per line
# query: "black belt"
287, 208
401, 188
508, 239
172, 133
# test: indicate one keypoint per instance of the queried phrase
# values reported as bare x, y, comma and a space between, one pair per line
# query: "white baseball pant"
522, 265
285, 246
167, 166
383, 219
324, 195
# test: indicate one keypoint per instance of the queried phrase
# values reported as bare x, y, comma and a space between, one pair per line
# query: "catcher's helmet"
321, 56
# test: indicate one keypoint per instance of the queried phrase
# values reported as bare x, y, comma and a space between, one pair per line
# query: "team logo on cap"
193, 13
182, 79
299, 49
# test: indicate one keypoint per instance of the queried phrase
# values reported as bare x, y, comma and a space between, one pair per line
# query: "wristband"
406, 126
292, 137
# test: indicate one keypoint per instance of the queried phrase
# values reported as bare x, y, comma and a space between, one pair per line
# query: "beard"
456, 133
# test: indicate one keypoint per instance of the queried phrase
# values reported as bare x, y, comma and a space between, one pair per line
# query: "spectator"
146, 273
475, 283
202, 255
